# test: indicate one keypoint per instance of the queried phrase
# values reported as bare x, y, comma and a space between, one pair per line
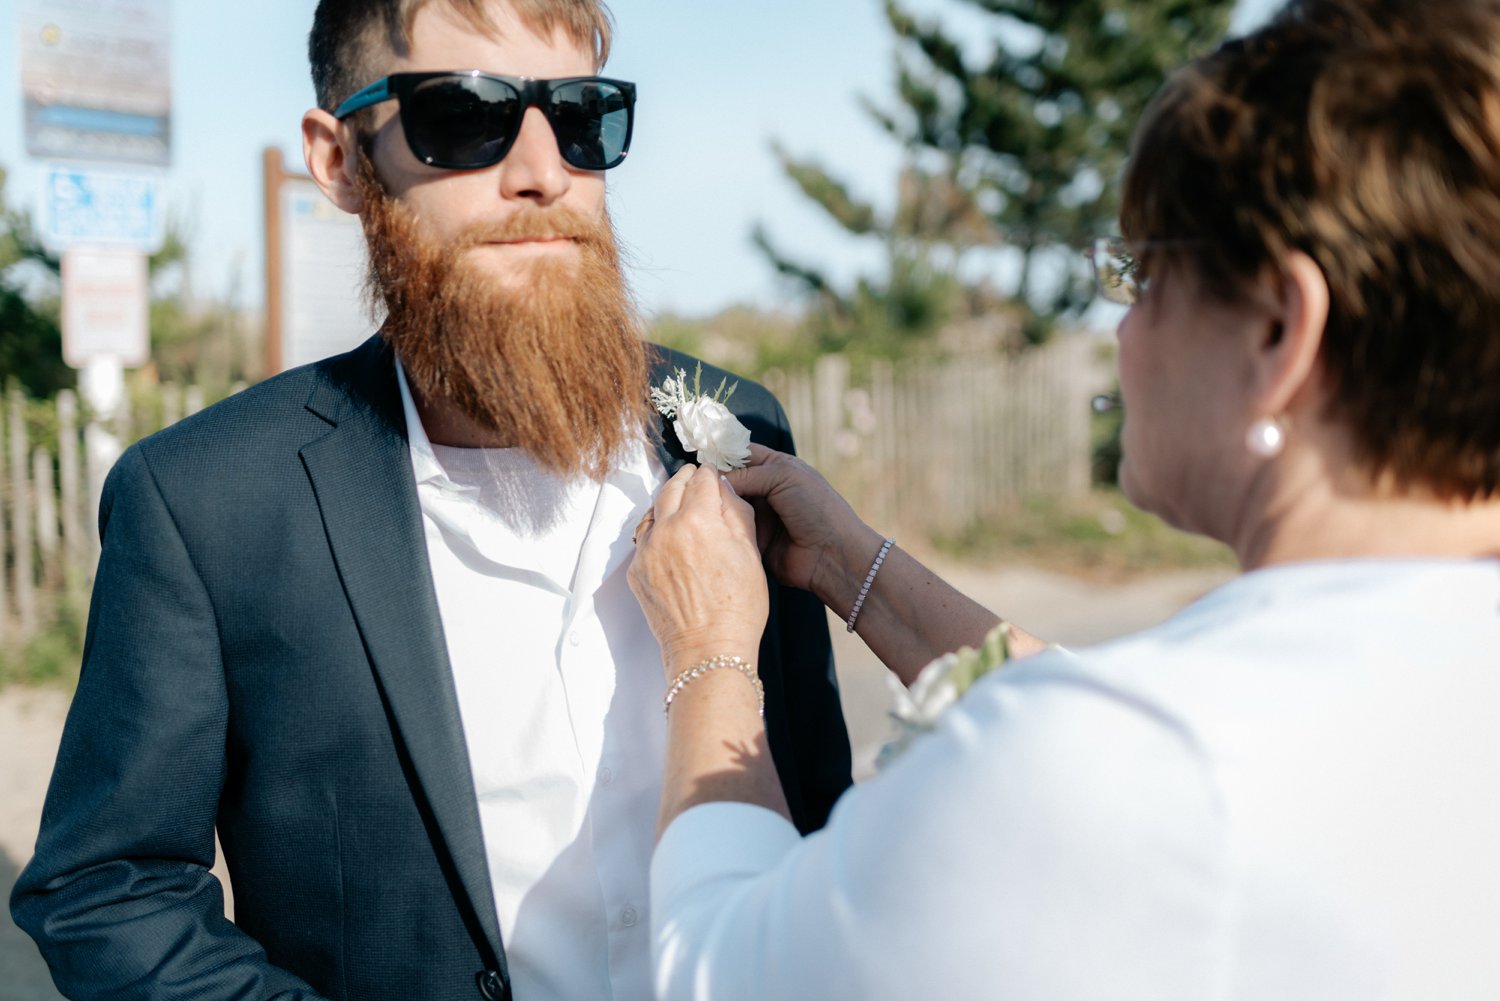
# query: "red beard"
553, 364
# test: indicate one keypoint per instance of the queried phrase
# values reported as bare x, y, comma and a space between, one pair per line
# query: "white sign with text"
106, 306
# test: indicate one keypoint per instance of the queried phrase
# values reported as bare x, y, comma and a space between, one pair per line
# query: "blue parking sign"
103, 207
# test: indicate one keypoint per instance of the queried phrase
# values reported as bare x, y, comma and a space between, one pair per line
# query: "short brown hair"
1365, 133
343, 44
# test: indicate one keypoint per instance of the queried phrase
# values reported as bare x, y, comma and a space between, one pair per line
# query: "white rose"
934, 692
707, 427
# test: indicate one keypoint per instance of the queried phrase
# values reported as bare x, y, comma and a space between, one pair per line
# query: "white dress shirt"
559, 685
1288, 792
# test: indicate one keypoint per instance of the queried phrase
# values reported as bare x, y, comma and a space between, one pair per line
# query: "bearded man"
370, 620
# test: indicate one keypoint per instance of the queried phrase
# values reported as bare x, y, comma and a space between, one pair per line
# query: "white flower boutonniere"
703, 422
938, 687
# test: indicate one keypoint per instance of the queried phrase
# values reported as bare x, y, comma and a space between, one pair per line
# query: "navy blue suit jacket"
265, 657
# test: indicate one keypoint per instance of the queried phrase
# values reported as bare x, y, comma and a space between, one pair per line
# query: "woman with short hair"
1288, 790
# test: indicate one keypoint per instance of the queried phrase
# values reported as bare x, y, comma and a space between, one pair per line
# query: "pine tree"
30, 331
1021, 148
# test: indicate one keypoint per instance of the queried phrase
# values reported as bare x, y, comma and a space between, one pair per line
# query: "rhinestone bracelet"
864, 592
697, 671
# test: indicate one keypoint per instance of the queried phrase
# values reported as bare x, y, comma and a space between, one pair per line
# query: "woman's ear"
1286, 357
332, 159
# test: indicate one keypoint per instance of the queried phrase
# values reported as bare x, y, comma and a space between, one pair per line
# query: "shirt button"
574, 639
628, 917
606, 776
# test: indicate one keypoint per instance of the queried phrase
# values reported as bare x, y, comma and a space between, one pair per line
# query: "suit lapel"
362, 476
668, 449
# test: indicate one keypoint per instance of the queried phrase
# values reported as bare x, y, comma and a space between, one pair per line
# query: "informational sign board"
106, 306
114, 207
96, 80
315, 268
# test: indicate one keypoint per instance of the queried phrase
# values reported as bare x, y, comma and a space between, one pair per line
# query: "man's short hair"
349, 36
1365, 133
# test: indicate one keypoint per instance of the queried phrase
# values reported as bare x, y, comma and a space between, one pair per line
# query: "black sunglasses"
464, 120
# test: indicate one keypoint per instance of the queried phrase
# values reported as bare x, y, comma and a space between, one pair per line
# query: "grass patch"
1102, 535
53, 654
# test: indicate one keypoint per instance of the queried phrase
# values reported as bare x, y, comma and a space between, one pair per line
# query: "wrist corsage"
939, 685
702, 421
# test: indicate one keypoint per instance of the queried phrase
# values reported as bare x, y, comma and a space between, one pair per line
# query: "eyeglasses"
1118, 273
1116, 270
465, 120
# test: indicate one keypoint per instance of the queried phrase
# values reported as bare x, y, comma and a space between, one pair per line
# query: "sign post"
96, 86
105, 328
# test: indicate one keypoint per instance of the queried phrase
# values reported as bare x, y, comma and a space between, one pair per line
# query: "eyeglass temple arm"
376, 92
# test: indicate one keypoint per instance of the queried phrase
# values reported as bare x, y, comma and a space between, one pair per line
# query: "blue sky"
718, 82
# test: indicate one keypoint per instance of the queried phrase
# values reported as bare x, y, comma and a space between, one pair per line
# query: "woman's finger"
702, 490
669, 498
760, 453
737, 511
644, 525
760, 479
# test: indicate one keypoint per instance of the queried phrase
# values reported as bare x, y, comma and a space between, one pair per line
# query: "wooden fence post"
46, 516
70, 477
23, 581
1080, 444
171, 406
4, 509
99, 451
830, 381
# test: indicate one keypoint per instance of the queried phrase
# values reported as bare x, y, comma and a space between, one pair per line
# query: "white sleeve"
1054, 840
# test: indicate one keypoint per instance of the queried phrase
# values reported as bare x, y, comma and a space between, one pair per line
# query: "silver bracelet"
864, 592
698, 670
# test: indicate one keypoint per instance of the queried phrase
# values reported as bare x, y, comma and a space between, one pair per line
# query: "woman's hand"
697, 572
812, 538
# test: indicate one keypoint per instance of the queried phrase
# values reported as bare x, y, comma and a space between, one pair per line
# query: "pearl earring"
1266, 438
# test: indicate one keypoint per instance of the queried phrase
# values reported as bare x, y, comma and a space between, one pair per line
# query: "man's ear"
332, 160
1286, 357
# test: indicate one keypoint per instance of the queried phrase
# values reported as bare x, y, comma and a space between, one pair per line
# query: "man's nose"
534, 168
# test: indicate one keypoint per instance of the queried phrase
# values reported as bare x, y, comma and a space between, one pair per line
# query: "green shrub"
53, 654
1102, 534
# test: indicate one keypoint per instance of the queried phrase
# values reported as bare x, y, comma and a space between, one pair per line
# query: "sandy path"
30, 727
1053, 606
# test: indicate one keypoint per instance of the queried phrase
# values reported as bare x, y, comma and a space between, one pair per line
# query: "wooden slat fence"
929, 449
918, 449
49, 500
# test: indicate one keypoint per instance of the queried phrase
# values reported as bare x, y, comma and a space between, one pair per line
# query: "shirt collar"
642, 469
626, 493
424, 462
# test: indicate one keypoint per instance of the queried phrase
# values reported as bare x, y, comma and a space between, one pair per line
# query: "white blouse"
1289, 791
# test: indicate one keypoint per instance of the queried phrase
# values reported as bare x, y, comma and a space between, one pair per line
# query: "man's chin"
518, 264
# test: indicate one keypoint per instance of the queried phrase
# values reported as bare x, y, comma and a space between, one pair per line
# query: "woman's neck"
1347, 516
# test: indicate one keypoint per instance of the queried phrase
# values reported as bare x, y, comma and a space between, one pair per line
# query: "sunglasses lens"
592, 121
461, 121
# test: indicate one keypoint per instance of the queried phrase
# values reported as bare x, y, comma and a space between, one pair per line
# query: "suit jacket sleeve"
119, 895
818, 735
